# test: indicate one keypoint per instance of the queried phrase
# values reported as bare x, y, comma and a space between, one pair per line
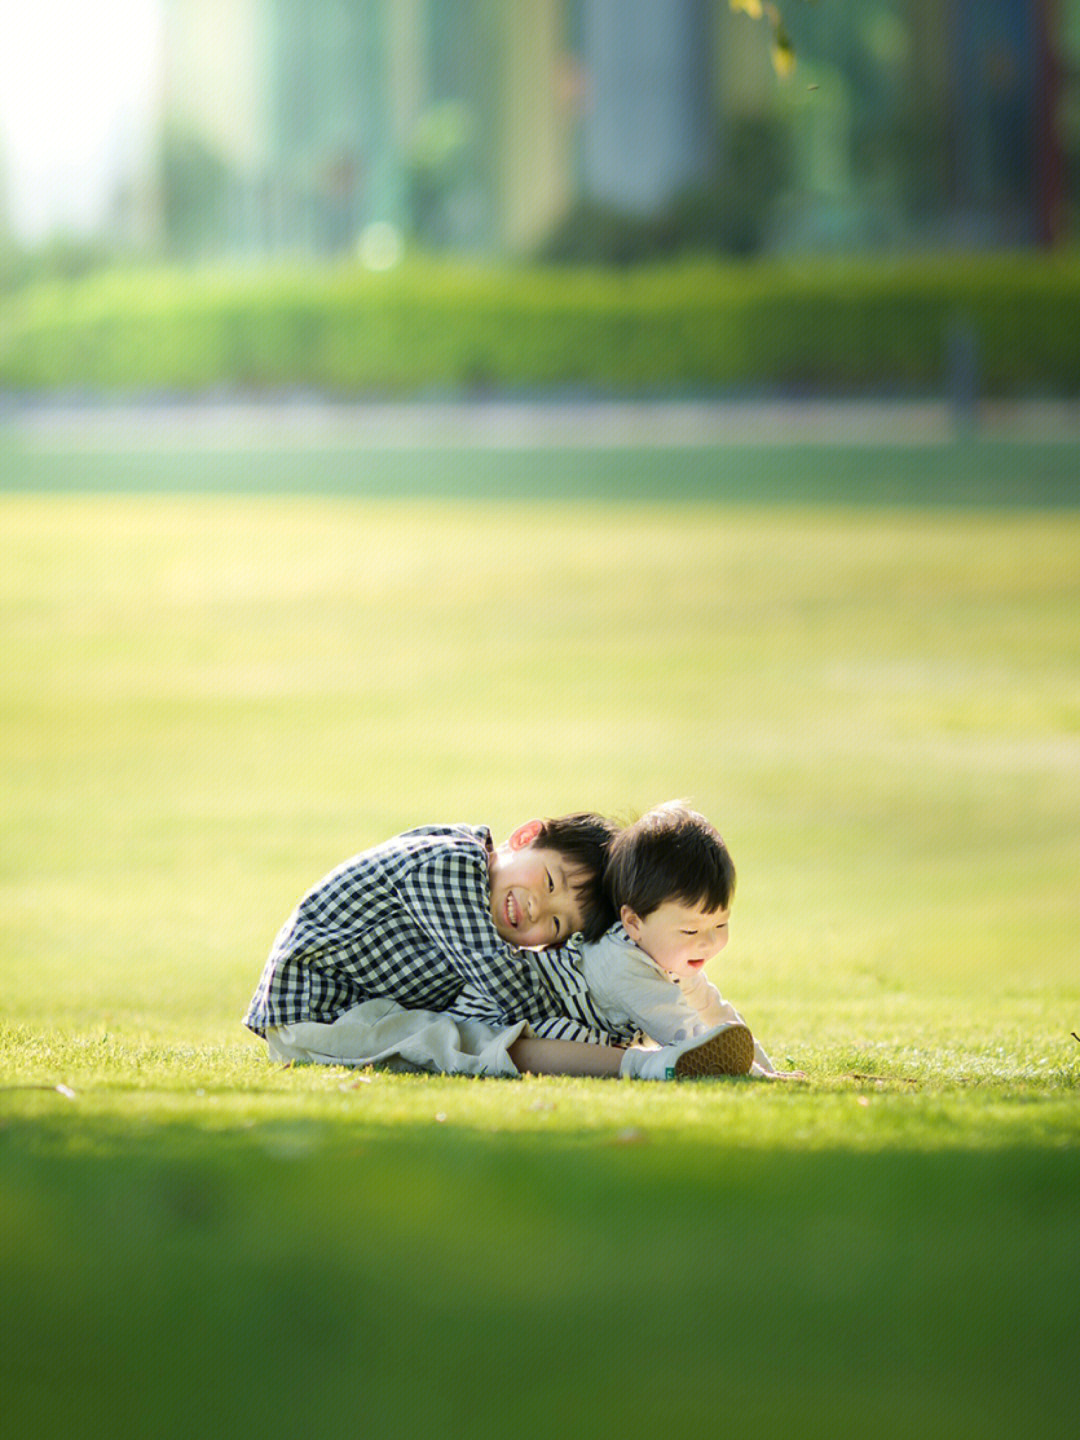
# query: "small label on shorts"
669, 1073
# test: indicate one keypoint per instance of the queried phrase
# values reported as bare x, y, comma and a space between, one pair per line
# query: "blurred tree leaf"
783, 51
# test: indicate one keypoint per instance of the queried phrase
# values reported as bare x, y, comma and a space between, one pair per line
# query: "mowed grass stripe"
966, 474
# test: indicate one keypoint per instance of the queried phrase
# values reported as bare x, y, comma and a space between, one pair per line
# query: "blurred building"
616, 129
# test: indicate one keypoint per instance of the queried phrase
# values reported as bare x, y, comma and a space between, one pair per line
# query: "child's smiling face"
534, 899
682, 939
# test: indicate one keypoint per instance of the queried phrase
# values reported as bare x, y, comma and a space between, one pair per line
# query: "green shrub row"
346, 331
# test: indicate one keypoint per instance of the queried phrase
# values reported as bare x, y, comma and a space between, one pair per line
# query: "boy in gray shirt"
672, 882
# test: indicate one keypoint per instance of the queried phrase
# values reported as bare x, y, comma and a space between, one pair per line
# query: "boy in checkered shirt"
441, 951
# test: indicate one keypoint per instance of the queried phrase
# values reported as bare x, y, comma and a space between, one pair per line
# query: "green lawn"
225, 673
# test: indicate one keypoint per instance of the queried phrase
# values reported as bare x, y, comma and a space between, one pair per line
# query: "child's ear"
630, 922
525, 835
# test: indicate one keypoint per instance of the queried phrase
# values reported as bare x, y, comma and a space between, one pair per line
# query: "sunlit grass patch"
209, 701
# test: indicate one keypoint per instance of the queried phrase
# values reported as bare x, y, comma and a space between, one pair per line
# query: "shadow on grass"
301, 1279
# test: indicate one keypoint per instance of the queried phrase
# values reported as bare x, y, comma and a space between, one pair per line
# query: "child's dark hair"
584, 842
671, 853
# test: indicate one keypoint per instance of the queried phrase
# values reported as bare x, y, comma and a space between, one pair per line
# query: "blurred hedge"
343, 330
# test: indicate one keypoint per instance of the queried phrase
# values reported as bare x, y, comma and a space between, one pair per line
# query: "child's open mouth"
512, 910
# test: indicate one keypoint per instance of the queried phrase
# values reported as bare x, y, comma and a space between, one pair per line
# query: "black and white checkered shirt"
411, 919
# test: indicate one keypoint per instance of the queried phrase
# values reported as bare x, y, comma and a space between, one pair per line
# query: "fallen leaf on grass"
630, 1136
64, 1090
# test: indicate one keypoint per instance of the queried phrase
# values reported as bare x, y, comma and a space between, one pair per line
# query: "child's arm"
624, 982
474, 1004
621, 978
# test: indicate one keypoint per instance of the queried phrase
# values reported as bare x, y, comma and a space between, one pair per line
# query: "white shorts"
381, 1032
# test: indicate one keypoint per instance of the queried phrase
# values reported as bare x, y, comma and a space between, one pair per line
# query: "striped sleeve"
559, 970
561, 1027
473, 1004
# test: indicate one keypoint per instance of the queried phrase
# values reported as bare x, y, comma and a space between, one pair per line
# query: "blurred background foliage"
1012, 322
716, 144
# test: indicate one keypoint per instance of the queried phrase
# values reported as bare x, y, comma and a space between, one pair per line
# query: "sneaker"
727, 1050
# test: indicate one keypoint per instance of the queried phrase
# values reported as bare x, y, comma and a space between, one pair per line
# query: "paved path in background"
516, 424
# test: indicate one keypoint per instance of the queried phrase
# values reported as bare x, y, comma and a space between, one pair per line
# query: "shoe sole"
729, 1053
